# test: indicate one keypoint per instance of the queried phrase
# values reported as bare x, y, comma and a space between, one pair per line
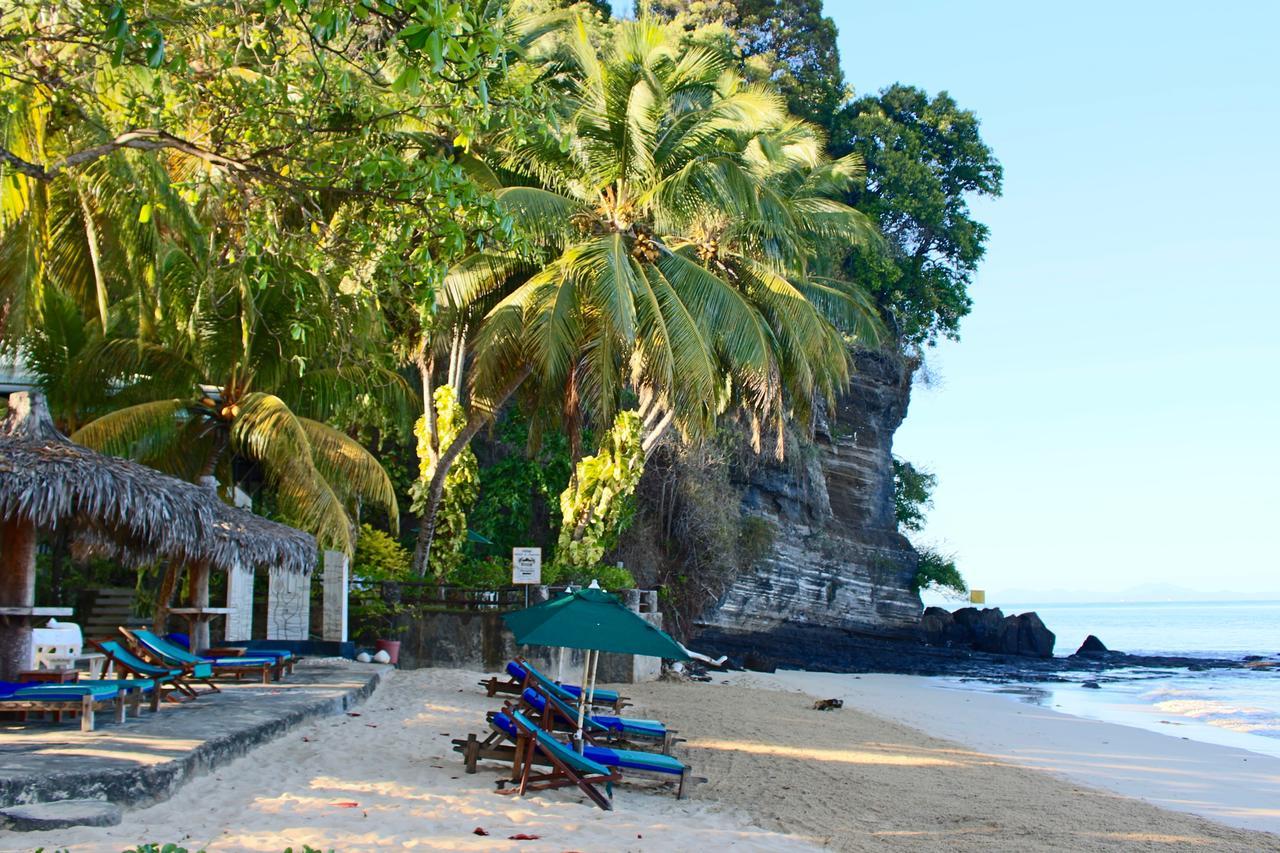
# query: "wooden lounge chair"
197, 668
83, 698
567, 766
554, 714
504, 744
524, 674
172, 683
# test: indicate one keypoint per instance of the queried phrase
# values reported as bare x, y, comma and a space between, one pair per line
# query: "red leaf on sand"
479, 830
347, 804
523, 836
353, 713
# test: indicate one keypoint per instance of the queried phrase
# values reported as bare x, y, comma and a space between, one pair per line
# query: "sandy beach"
781, 776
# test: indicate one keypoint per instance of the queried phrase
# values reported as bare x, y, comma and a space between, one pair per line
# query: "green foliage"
378, 559
912, 494
937, 570
517, 488
461, 484
490, 572
924, 159
600, 499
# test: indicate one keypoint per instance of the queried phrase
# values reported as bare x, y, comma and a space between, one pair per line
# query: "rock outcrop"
987, 630
838, 561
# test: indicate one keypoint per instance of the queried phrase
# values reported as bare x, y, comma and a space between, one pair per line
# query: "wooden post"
198, 597
17, 589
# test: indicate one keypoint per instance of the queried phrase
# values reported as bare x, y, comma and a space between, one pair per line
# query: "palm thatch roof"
127, 511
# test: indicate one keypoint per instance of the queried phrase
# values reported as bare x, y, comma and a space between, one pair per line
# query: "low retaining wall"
480, 640
224, 727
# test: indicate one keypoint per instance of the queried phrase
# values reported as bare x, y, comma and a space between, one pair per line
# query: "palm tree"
249, 377
675, 221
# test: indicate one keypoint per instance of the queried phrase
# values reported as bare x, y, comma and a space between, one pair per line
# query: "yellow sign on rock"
977, 596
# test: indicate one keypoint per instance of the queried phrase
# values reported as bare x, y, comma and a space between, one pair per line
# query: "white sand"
395, 762
845, 779
1234, 786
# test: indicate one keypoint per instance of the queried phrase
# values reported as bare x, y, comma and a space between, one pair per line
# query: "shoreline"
1226, 784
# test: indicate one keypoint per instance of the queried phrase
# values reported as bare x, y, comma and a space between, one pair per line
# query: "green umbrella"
594, 620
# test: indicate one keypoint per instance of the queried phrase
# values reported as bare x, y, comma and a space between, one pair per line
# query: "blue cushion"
631, 759
146, 685
241, 661
65, 692
652, 728
607, 696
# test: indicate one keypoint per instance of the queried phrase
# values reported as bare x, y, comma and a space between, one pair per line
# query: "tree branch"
145, 139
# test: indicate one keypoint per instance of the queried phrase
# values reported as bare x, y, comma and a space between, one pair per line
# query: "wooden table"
198, 616
50, 676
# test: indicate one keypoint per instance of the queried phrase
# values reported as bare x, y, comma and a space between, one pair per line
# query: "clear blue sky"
1112, 413
1111, 416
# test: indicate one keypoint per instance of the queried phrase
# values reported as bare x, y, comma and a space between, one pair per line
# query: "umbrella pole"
595, 664
582, 703
560, 665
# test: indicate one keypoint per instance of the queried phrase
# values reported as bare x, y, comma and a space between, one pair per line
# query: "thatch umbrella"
115, 507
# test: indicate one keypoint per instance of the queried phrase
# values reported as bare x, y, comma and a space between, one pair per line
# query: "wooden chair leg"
86, 713
472, 754
684, 777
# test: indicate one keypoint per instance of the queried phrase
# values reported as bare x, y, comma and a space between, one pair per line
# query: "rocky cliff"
838, 565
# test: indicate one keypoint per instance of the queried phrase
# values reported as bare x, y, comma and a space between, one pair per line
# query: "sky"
1110, 417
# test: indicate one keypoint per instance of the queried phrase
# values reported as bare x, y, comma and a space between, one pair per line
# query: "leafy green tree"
936, 570
925, 159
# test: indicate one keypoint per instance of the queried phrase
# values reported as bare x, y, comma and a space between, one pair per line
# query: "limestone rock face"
838, 560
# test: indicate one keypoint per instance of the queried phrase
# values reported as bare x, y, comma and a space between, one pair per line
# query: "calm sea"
1239, 708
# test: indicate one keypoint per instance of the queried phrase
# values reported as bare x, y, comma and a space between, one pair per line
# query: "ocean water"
1237, 707
1189, 628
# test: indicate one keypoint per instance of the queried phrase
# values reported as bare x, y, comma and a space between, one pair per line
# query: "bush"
378, 558
488, 573
937, 571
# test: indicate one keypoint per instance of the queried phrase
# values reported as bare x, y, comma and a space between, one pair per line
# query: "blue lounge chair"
197, 667
567, 766
120, 658
505, 743
283, 656
524, 674
83, 698
558, 715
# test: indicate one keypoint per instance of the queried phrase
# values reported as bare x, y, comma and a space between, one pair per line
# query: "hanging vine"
461, 484
599, 498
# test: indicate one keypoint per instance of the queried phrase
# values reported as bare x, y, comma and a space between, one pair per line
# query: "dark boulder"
983, 629
1091, 646
938, 628
1025, 634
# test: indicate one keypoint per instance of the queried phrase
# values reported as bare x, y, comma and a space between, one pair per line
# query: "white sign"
526, 565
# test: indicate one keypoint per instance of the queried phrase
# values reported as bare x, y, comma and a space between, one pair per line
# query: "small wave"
1224, 715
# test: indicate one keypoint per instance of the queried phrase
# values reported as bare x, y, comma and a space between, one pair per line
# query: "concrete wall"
480, 640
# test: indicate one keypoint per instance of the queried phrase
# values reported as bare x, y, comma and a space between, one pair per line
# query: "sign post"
526, 569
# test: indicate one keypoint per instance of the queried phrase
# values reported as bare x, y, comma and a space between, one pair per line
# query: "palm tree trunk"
435, 490
164, 598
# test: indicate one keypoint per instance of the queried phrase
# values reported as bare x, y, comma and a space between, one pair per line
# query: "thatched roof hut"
114, 507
